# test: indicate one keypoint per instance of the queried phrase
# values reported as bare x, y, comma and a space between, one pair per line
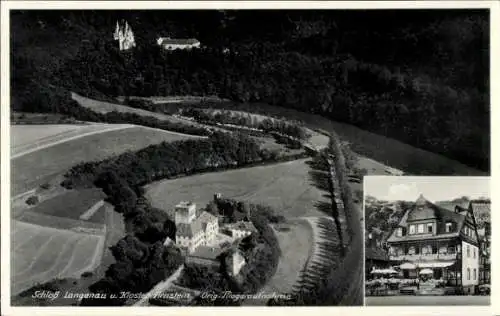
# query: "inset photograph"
427, 240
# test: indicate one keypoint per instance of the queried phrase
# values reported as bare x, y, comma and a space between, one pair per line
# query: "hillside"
312, 61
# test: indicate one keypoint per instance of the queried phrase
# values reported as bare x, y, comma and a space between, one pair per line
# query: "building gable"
425, 212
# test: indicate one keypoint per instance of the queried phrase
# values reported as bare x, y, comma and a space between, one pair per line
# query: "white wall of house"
211, 232
198, 240
180, 46
470, 262
238, 263
240, 233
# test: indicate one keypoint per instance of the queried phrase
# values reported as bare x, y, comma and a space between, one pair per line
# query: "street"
427, 300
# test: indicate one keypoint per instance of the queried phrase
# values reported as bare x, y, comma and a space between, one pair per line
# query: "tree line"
410, 107
293, 129
317, 62
219, 151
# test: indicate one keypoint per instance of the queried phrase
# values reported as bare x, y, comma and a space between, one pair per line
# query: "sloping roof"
376, 254
198, 224
242, 225
423, 210
429, 210
445, 215
206, 217
461, 210
178, 41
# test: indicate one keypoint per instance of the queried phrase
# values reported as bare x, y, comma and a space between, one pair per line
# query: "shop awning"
437, 264
407, 266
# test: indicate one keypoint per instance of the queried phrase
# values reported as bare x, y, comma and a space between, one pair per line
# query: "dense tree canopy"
418, 76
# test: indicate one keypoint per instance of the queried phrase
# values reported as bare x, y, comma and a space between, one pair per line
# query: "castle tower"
185, 213
124, 35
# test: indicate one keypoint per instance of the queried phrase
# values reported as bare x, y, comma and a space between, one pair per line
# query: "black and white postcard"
427, 240
226, 154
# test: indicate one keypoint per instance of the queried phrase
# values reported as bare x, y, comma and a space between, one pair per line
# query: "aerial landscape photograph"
428, 240
219, 157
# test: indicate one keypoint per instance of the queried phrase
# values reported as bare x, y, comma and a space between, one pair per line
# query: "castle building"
124, 35
178, 43
192, 229
240, 229
444, 241
197, 235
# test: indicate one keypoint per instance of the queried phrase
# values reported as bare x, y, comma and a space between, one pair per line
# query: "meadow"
285, 187
29, 138
41, 166
35, 218
40, 254
73, 204
296, 241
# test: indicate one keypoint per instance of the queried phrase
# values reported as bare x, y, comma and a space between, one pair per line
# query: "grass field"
56, 222
296, 245
284, 186
72, 204
36, 168
40, 254
29, 134
28, 138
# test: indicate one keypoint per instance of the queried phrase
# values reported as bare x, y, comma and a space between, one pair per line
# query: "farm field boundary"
42, 253
34, 169
67, 138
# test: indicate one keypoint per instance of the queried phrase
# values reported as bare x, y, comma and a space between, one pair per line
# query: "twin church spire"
124, 35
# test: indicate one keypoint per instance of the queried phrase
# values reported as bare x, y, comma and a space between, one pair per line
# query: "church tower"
124, 35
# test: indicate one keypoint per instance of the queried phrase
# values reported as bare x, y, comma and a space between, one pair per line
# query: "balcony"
427, 257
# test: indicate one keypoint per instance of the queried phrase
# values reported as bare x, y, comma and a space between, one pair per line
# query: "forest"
421, 77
